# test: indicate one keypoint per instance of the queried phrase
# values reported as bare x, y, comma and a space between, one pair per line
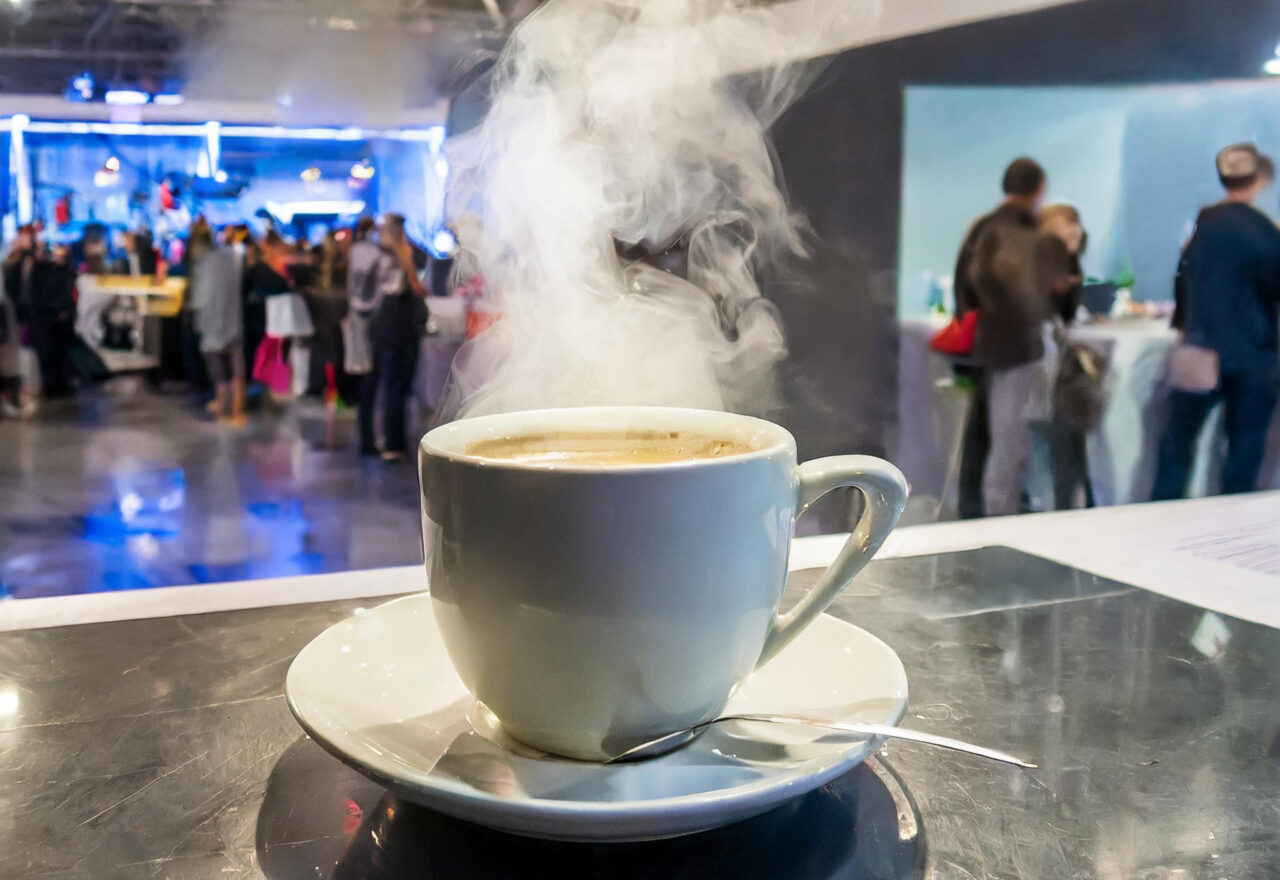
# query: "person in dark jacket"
1024, 186
52, 323
385, 294
1228, 307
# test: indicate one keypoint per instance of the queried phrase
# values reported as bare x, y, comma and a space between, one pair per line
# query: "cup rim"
778, 439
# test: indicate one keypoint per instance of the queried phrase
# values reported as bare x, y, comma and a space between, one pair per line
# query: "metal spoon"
655, 746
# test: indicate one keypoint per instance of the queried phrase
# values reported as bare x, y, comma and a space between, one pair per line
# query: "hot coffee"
606, 448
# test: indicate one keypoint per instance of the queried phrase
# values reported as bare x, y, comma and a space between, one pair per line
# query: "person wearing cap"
1228, 313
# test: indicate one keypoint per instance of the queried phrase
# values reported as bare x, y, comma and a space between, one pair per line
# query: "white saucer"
378, 692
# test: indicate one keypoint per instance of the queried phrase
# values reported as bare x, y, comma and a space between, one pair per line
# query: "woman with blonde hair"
1075, 370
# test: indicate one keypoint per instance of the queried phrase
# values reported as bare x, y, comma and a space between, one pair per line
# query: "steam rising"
622, 122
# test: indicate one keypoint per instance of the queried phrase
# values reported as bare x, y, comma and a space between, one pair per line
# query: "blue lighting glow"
431, 135
81, 88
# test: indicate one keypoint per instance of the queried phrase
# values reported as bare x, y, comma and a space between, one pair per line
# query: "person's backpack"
1079, 390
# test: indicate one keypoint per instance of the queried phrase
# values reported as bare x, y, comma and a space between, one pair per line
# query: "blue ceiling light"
197, 129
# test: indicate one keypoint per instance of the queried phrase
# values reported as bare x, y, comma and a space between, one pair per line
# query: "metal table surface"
163, 748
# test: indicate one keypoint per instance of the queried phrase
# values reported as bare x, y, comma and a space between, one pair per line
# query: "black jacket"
1004, 279
966, 297
1228, 287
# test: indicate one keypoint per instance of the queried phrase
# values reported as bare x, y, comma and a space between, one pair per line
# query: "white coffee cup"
595, 607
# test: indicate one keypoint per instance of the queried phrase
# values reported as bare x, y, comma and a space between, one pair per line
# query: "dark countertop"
164, 748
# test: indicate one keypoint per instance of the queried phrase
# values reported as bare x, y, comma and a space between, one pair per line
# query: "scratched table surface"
164, 748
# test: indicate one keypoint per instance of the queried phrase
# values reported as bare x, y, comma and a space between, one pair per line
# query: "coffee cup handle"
885, 490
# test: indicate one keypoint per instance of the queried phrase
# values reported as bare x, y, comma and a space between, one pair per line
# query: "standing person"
194, 367
366, 265
1076, 392
265, 275
386, 299
328, 304
1024, 185
140, 253
51, 321
19, 263
219, 320
13, 401
1228, 296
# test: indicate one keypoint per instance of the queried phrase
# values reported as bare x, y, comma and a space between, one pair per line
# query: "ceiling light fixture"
311, 175
1272, 67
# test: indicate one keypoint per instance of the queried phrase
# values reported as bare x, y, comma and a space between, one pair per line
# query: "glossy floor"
125, 489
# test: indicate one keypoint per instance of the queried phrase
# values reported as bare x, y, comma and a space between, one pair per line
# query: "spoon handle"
890, 732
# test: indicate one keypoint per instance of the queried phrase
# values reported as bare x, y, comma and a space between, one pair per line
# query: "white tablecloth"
1122, 452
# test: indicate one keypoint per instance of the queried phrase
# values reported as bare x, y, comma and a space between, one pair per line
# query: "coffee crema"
606, 448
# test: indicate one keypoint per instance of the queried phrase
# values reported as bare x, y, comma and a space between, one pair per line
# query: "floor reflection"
132, 490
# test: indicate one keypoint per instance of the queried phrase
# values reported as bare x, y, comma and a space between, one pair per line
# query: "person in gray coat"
219, 319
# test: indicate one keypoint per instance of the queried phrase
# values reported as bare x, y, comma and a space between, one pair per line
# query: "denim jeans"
1249, 400
1010, 395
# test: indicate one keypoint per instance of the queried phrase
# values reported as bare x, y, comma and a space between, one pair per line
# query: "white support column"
20, 168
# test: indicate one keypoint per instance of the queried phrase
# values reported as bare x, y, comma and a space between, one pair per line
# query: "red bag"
270, 367
957, 337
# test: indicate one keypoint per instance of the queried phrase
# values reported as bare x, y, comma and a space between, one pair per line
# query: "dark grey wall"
840, 150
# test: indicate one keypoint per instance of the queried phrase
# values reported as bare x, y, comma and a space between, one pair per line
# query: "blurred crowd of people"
38, 313
354, 303
341, 317
1037, 394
